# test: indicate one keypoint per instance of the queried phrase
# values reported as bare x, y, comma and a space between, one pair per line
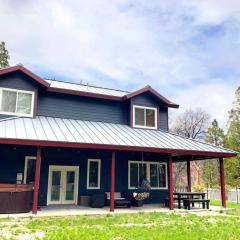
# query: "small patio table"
184, 195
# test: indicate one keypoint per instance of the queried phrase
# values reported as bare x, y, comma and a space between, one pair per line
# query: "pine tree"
215, 135
4, 56
232, 166
233, 135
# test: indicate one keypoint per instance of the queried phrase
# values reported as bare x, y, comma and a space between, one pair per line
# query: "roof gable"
153, 92
25, 71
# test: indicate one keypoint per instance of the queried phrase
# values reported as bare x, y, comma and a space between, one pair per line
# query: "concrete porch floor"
72, 210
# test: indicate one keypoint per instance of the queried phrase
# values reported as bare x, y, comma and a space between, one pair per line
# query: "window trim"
145, 108
99, 173
148, 163
27, 158
18, 91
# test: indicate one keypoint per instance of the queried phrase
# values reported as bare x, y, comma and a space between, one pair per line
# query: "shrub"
198, 188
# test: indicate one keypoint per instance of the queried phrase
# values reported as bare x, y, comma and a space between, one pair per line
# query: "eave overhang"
115, 148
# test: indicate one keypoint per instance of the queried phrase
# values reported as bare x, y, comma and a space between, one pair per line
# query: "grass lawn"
229, 204
125, 226
236, 207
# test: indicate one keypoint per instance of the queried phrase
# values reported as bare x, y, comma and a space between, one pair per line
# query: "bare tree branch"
192, 124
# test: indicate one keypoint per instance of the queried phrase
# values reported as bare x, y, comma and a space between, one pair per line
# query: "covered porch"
115, 175
62, 144
59, 170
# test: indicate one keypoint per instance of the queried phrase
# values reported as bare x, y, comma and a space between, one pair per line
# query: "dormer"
19, 91
149, 109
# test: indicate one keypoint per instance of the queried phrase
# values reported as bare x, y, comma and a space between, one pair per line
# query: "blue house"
71, 140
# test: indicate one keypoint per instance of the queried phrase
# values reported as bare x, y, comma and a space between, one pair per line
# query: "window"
93, 174
158, 175
144, 117
16, 102
138, 172
154, 172
29, 170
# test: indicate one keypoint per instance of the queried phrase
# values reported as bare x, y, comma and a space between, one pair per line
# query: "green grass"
139, 226
235, 207
229, 204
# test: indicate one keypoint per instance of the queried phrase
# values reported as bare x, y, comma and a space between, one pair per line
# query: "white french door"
62, 184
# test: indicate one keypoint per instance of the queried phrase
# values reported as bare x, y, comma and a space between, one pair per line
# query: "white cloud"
215, 98
182, 48
214, 11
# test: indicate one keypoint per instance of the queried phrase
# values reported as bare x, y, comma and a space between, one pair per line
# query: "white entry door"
62, 184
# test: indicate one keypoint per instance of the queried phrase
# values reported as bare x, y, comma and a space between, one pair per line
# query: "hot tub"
16, 198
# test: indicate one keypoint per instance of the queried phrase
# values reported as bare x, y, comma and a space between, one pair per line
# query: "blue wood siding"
163, 118
18, 81
82, 108
144, 99
12, 162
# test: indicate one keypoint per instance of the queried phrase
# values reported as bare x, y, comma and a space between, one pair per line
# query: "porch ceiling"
59, 132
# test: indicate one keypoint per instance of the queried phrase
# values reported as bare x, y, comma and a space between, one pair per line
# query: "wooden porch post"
36, 181
189, 183
170, 183
222, 182
112, 187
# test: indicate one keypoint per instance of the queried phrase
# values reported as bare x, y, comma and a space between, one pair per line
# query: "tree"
232, 141
192, 124
215, 135
4, 56
233, 135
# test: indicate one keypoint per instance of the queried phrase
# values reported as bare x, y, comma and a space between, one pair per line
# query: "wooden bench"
187, 202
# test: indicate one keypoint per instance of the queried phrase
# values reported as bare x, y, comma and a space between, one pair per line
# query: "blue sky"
187, 50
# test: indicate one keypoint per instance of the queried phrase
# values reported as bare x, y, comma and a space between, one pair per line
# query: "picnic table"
181, 196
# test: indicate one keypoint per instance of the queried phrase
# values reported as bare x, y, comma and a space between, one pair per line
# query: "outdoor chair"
119, 200
141, 193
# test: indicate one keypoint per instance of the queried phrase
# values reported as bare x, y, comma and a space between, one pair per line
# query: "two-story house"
72, 139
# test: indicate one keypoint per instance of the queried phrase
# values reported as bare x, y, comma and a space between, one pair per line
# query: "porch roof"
60, 132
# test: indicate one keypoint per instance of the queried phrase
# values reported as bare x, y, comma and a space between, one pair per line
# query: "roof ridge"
87, 85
